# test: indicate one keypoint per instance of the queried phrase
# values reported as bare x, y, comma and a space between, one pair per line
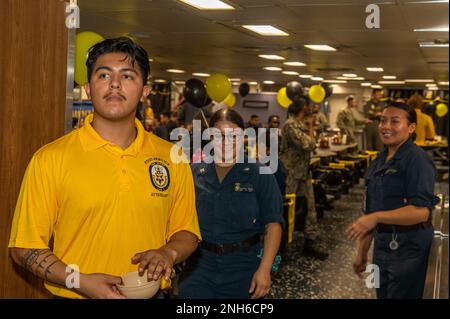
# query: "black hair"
376, 90
254, 116
272, 117
167, 114
412, 115
134, 52
229, 115
296, 107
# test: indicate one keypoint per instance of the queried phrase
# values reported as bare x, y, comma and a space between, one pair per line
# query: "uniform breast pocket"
244, 209
392, 183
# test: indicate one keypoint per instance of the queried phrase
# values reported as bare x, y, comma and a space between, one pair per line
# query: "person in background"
321, 124
372, 111
347, 122
254, 123
425, 127
160, 129
274, 122
297, 144
237, 206
397, 214
108, 193
166, 120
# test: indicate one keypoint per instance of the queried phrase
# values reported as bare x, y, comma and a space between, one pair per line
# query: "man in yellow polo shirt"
425, 127
108, 193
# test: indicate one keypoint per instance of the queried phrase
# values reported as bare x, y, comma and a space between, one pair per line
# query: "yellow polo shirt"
425, 128
101, 203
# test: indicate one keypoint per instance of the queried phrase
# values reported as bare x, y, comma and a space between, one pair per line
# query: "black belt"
383, 228
222, 249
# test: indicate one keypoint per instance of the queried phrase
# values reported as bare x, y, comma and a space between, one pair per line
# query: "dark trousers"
402, 271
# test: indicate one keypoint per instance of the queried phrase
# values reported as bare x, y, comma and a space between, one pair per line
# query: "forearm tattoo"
39, 262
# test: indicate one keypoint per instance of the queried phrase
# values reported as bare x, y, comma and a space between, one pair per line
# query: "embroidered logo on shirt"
159, 175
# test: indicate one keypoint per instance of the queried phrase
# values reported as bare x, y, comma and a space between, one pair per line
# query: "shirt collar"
401, 152
91, 140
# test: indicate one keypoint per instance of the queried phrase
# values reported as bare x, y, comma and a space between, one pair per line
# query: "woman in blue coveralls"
236, 207
399, 200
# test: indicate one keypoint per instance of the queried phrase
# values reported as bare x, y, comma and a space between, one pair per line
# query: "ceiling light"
317, 78
201, 74
271, 57
433, 88
253, 83
319, 47
391, 82
305, 76
445, 29
443, 83
419, 80
236, 83
350, 75
235, 80
174, 71
374, 69
389, 77
376, 87
208, 4
366, 84
160, 81
295, 63
359, 78
180, 82
433, 45
430, 84
269, 82
266, 30
151, 60
272, 68
335, 81
290, 72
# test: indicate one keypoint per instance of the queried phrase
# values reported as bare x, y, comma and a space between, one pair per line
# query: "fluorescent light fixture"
433, 45
271, 57
391, 82
335, 81
445, 29
430, 84
366, 84
253, 83
160, 81
174, 71
319, 47
443, 83
235, 80
290, 72
359, 78
374, 69
419, 80
269, 82
266, 30
272, 68
305, 76
389, 77
201, 74
295, 63
317, 78
433, 88
350, 75
236, 83
376, 87
180, 82
208, 4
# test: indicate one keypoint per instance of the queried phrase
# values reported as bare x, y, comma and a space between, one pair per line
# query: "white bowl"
138, 287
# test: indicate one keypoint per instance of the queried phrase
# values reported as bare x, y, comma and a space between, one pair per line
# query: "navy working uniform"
232, 217
401, 252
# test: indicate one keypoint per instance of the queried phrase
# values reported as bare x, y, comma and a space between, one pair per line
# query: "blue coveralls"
407, 179
229, 212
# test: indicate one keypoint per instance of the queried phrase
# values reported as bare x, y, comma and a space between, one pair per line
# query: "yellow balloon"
83, 42
283, 99
317, 93
218, 86
441, 110
230, 100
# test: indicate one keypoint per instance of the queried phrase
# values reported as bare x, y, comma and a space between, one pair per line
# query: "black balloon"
294, 90
195, 92
328, 90
244, 89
